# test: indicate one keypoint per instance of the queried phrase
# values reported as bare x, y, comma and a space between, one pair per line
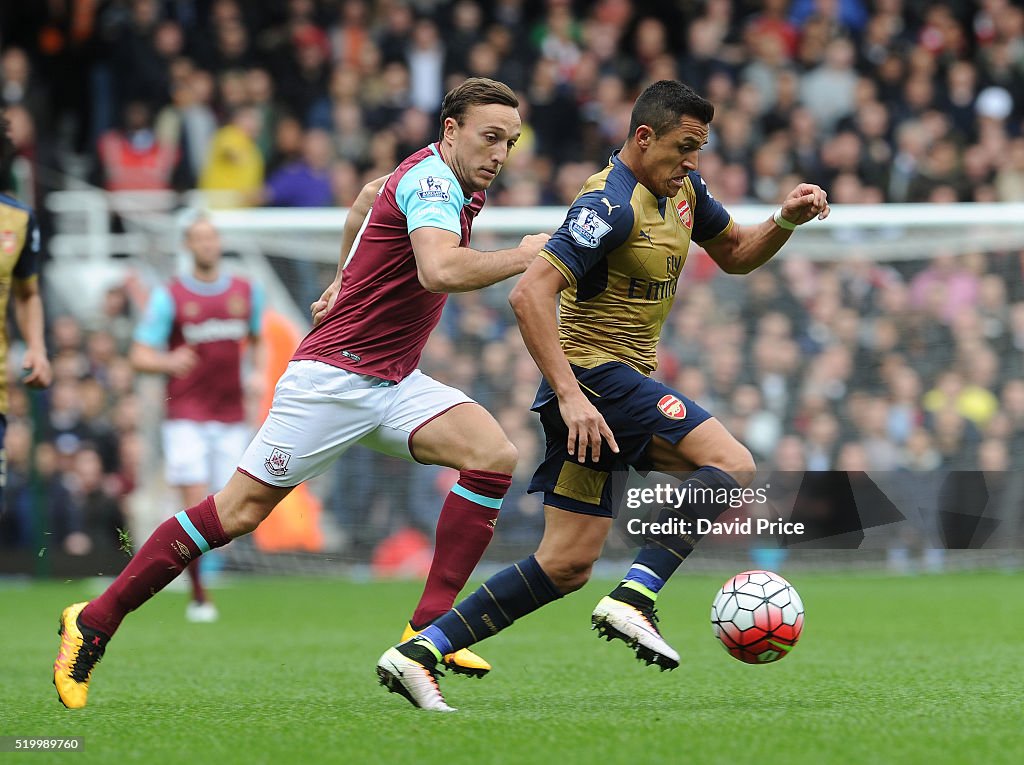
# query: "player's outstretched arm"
444, 266
354, 221
176, 363
534, 302
744, 248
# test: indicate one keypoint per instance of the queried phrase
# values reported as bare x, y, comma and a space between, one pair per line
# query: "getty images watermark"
824, 509
681, 496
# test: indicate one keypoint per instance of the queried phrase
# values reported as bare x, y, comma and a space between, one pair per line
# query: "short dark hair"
7, 154
662, 104
475, 91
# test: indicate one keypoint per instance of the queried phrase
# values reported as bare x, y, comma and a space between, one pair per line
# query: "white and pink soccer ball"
757, 616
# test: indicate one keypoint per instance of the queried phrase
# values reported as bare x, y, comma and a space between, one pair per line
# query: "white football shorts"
202, 453
319, 411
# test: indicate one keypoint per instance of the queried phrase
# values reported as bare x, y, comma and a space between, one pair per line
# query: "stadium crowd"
915, 366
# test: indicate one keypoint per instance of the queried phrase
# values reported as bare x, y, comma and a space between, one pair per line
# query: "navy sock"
510, 594
659, 558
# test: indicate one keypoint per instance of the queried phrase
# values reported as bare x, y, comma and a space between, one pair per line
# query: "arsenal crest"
672, 407
8, 242
685, 213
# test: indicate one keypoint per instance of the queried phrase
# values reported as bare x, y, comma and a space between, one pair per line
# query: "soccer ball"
757, 616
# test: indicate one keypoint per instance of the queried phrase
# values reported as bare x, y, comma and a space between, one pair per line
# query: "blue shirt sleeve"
710, 218
259, 303
593, 227
429, 195
28, 261
155, 328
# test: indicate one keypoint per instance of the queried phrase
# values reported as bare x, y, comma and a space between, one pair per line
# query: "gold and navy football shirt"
621, 248
19, 259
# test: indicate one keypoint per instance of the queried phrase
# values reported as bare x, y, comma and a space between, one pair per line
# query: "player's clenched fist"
806, 202
530, 246
534, 242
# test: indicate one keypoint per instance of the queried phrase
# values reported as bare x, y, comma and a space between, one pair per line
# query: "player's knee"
500, 456
738, 462
506, 457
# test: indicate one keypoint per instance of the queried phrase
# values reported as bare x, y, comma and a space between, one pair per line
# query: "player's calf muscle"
568, 562
239, 520
242, 508
568, 570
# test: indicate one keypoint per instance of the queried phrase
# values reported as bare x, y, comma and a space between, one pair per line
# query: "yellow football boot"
462, 662
80, 649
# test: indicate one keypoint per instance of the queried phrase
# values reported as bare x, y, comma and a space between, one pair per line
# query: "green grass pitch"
889, 670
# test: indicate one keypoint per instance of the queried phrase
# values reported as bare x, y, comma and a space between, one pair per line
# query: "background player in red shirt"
354, 379
196, 331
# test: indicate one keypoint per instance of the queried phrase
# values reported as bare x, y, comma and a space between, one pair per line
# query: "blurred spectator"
286, 148
17, 520
954, 438
350, 33
552, 108
822, 442
306, 182
390, 96
133, 158
1009, 179
260, 93
230, 47
905, 414
919, 455
189, 123
19, 86
304, 78
138, 74
96, 503
464, 29
234, 167
425, 56
28, 155
828, 90
945, 286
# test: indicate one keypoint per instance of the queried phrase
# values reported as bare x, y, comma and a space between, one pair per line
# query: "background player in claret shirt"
197, 330
354, 379
611, 272
19, 273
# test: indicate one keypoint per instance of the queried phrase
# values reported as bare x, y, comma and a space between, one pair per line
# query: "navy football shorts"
636, 408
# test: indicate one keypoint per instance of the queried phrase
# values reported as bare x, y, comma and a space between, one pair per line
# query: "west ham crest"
277, 462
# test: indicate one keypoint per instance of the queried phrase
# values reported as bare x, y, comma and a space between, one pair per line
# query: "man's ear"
450, 126
643, 136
